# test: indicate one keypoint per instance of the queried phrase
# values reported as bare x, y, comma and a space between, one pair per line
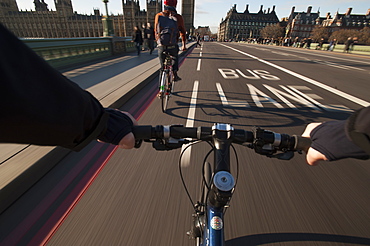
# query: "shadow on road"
268, 238
268, 116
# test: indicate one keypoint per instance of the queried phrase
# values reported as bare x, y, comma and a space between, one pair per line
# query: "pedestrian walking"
332, 44
320, 45
198, 39
355, 41
145, 39
308, 44
296, 42
150, 37
348, 44
137, 37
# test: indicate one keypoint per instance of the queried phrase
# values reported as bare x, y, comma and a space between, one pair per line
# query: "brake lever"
138, 143
169, 144
270, 152
285, 156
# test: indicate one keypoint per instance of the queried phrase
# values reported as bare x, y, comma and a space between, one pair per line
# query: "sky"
210, 12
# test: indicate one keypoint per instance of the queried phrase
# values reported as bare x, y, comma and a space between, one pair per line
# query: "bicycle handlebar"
262, 141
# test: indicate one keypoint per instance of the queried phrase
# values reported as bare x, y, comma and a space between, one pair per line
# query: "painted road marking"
291, 93
185, 160
304, 78
259, 97
192, 106
228, 73
198, 67
230, 103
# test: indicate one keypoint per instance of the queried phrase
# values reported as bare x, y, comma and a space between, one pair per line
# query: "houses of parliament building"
66, 23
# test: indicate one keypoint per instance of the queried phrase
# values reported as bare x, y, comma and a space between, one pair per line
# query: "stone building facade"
133, 16
65, 23
346, 21
301, 24
188, 7
245, 25
44, 23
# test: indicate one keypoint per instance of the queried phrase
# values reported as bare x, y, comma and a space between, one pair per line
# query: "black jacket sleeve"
358, 128
39, 105
344, 139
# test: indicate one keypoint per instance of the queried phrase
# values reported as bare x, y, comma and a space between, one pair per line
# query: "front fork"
220, 193
213, 233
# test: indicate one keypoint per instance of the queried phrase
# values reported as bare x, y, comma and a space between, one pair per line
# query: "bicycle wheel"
164, 89
172, 81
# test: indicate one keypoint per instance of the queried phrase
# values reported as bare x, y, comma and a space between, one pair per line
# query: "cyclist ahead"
168, 27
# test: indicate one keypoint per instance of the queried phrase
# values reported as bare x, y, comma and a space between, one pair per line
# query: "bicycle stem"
222, 135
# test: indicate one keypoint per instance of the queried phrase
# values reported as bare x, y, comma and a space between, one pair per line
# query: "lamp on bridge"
107, 22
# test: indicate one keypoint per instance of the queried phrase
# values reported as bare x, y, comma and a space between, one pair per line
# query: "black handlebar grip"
183, 132
302, 143
142, 132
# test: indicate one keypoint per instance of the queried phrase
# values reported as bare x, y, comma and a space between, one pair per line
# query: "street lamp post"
107, 22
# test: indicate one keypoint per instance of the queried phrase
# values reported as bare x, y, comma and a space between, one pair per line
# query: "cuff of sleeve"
100, 127
118, 126
330, 139
358, 129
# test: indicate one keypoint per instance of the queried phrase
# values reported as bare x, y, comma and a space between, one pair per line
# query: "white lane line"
230, 103
193, 105
185, 161
222, 95
311, 81
200, 60
198, 67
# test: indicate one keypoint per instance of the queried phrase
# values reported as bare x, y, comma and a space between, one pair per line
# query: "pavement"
113, 81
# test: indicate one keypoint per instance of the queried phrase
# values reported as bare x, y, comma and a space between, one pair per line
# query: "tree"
344, 34
272, 31
364, 37
320, 32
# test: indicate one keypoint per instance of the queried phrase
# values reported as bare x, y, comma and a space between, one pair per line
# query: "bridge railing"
63, 52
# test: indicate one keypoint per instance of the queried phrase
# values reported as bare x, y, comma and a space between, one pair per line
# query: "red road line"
141, 102
55, 221
60, 215
31, 219
146, 105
